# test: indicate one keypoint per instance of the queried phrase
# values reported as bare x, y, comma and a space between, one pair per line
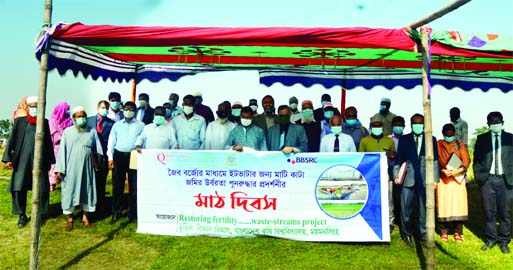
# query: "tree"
5, 128
476, 132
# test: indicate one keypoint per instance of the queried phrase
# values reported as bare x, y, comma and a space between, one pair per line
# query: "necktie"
496, 154
417, 143
99, 126
282, 139
336, 146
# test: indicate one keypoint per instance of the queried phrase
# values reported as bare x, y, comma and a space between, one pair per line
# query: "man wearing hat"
19, 156
294, 112
253, 104
377, 142
319, 112
384, 111
201, 109
235, 113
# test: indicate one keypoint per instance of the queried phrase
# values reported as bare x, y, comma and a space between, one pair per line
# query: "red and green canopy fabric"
347, 57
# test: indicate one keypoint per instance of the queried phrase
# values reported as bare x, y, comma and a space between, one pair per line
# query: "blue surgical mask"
398, 130
81, 121
336, 130
159, 120
236, 112
171, 102
377, 131
168, 112
417, 128
328, 114
351, 122
382, 108
103, 112
142, 103
324, 103
293, 106
449, 139
115, 105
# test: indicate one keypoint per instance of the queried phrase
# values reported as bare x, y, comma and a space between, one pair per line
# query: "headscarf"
21, 110
60, 116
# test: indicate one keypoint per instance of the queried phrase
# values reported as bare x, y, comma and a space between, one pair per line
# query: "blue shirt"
190, 134
252, 137
123, 135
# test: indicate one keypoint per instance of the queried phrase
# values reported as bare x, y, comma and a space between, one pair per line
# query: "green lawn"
342, 210
120, 247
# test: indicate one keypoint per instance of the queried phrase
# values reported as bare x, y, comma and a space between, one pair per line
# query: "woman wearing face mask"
453, 158
75, 168
59, 121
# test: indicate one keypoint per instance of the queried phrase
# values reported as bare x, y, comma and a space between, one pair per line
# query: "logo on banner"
302, 160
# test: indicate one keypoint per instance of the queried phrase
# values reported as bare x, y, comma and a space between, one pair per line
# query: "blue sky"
22, 21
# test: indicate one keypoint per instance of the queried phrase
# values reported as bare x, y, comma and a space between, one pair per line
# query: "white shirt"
157, 137
492, 168
217, 133
190, 134
345, 143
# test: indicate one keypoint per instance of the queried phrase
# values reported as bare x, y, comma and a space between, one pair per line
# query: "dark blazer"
259, 121
13, 150
107, 127
296, 137
148, 115
483, 157
406, 151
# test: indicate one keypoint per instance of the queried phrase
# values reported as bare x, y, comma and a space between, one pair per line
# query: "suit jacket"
13, 150
104, 136
483, 157
148, 115
295, 137
259, 121
416, 163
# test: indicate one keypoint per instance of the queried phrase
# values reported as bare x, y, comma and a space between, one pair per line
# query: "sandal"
88, 224
458, 238
69, 225
445, 237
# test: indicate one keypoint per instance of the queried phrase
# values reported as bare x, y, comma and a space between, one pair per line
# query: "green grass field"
342, 210
120, 247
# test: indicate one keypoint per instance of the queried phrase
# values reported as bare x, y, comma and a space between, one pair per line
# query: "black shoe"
114, 220
504, 247
391, 228
488, 245
22, 221
407, 240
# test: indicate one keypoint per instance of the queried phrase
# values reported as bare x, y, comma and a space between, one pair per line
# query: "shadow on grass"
476, 217
83, 254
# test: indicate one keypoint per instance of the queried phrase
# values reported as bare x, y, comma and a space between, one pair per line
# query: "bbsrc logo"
302, 160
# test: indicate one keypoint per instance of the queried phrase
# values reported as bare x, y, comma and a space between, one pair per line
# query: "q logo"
161, 157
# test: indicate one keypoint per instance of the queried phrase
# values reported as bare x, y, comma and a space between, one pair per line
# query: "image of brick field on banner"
340, 197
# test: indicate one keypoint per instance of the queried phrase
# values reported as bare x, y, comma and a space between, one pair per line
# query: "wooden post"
134, 84
343, 102
439, 13
428, 133
35, 227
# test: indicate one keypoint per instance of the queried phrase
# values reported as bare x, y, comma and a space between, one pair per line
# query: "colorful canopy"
347, 57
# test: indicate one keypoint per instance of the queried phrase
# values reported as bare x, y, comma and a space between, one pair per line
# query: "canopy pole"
35, 227
134, 84
428, 133
437, 14
342, 102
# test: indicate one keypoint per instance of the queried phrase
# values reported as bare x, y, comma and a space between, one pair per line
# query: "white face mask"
187, 110
254, 107
129, 114
496, 128
245, 122
33, 111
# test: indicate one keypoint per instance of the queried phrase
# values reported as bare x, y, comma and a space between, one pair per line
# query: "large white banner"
308, 196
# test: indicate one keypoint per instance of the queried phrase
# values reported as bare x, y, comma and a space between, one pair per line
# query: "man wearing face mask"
295, 114
337, 141
398, 124
353, 127
76, 169
312, 128
384, 111
115, 112
460, 125
19, 156
157, 135
246, 136
253, 104
201, 109
235, 113
285, 136
173, 102
377, 142
267, 119
190, 127
121, 142
169, 113
144, 111
218, 131
411, 150
329, 112
103, 125
493, 171
319, 112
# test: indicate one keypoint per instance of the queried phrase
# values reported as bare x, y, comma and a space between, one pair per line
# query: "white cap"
31, 99
197, 94
78, 109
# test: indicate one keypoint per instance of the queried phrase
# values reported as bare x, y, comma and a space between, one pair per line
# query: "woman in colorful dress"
59, 121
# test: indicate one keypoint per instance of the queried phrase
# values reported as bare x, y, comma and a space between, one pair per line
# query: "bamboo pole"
428, 133
437, 14
134, 85
342, 101
35, 228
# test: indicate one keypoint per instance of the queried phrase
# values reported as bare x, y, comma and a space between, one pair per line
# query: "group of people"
81, 150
